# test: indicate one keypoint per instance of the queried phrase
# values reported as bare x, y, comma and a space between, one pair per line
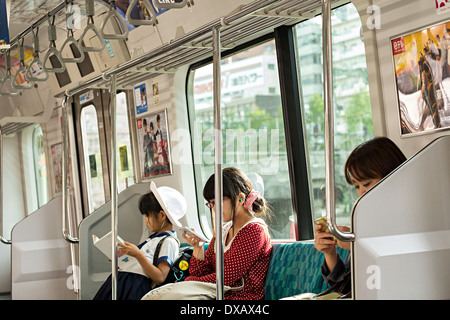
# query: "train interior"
116, 73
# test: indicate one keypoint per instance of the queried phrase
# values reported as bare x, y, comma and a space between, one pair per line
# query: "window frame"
293, 126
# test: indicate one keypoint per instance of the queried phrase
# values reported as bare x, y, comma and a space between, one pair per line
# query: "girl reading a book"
138, 275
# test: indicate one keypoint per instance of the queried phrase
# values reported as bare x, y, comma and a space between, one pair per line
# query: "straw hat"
172, 202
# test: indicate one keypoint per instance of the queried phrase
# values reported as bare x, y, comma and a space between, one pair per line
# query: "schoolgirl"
138, 275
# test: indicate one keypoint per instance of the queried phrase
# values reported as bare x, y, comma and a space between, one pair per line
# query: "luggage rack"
244, 24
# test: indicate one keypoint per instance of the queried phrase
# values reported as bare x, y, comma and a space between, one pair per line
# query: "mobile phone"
323, 222
195, 233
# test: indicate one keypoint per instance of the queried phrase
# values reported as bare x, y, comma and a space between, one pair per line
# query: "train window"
40, 167
253, 130
124, 160
353, 117
92, 157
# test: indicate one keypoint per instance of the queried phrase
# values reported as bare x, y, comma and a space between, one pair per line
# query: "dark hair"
373, 159
149, 205
234, 182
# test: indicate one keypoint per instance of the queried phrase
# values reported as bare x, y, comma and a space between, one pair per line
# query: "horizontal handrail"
186, 39
39, 22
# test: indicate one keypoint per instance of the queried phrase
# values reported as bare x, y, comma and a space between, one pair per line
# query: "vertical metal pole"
64, 155
2, 239
114, 206
329, 124
218, 188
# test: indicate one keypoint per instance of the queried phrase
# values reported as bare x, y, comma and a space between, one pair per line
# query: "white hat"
172, 202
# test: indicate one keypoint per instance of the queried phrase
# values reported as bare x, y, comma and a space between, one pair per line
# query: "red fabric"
247, 257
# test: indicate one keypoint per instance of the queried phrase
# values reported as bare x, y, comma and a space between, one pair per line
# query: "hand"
193, 240
324, 241
344, 244
197, 243
129, 249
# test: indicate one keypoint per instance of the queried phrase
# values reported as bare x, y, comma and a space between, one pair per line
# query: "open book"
105, 246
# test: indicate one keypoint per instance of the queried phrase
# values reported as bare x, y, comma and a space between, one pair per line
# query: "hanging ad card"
140, 98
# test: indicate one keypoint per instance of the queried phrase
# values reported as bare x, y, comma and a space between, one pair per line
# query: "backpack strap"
156, 255
158, 248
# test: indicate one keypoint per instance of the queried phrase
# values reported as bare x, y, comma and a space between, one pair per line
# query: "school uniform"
132, 282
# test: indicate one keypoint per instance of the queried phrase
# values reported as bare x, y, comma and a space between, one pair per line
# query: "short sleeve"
169, 251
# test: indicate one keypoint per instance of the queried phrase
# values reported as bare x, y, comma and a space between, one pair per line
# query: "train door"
93, 136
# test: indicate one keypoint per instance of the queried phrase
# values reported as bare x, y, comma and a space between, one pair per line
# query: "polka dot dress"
247, 257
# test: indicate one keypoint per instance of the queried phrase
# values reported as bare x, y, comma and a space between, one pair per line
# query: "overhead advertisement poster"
422, 71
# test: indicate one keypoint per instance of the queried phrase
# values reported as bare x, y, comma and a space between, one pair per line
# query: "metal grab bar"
329, 125
2, 239
218, 187
91, 26
8, 78
23, 69
65, 233
122, 25
137, 22
173, 5
90, 12
28, 74
52, 49
70, 39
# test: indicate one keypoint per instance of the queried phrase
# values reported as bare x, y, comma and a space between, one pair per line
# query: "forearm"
331, 260
154, 273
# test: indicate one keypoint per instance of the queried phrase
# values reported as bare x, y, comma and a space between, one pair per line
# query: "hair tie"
248, 204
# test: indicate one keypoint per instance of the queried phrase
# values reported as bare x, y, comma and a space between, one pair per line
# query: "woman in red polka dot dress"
247, 244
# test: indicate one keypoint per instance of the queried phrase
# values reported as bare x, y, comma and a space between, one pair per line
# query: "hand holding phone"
195, 233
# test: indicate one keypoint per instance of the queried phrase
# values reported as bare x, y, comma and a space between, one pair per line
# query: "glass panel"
40, 167
353, 117
92, 157
124, 159
253, 130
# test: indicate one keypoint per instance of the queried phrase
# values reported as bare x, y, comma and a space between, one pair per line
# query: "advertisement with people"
153, 141
422, 70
